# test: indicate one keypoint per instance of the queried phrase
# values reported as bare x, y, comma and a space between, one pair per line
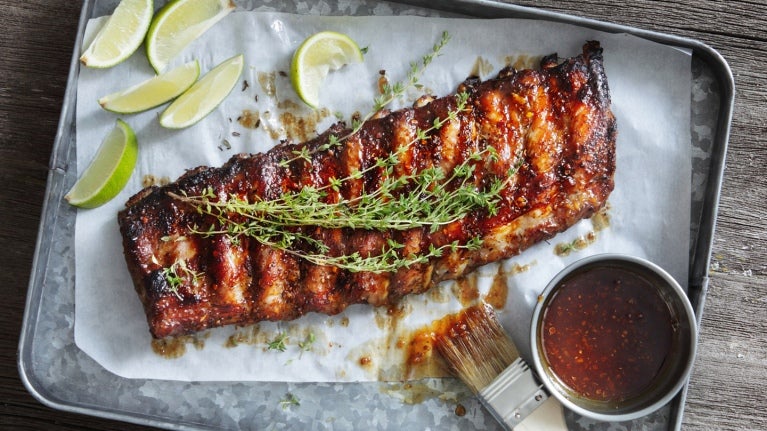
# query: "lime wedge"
121, 35
318, 55
179, 23
109, 171
204, 96
154, 91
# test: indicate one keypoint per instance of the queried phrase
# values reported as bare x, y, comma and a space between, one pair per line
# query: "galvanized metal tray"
61, 376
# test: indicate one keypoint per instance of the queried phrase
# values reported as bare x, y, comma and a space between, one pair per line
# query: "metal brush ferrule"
514, 394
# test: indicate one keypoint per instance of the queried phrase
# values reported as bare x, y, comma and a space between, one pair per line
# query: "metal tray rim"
699, 265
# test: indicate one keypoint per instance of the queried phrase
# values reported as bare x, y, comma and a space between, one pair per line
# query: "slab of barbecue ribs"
554, 136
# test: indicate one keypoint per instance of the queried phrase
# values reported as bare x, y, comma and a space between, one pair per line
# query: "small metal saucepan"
613, 337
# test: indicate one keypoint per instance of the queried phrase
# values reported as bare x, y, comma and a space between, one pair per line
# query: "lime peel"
204, 96
153, 92
121, 35
316, 57
109, 171
178, 24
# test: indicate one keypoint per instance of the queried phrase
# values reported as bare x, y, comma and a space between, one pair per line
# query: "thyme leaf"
278, 343
179, 273
289, 400
306, 345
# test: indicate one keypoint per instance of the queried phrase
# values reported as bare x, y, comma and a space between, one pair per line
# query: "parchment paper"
649, 210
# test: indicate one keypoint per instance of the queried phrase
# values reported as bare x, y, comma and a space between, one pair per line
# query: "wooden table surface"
727, 389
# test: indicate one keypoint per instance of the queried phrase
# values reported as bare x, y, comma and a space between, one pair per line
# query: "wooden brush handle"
548, 417
514, 394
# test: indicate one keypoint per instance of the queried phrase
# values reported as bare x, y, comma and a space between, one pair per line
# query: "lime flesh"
204, 96
315, 57
154, 91
121, 35
178, 24
109, 171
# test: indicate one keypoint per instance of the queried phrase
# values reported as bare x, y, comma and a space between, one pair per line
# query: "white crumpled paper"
649, 209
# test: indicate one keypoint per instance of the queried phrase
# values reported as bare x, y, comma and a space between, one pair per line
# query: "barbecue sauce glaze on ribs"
558, 118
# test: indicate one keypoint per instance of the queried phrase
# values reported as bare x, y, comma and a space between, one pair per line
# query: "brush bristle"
477, 349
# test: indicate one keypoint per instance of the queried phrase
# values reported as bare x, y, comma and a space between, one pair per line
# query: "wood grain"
36, 43
726, 390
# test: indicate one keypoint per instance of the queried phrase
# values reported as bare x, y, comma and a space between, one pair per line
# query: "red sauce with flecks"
606, 333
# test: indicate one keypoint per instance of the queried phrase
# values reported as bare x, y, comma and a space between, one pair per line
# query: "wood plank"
726, 389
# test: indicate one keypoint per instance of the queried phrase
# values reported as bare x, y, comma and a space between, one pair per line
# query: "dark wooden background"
727, 389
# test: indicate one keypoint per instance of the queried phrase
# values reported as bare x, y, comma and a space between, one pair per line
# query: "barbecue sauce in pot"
606, 333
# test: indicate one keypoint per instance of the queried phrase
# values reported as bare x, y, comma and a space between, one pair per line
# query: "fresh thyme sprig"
390, 93
424, 199
308, 342
278, 343
388, 261
289, 400
176, 274
428, 198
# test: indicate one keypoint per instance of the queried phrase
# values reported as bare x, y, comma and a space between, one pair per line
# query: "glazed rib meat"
554, 136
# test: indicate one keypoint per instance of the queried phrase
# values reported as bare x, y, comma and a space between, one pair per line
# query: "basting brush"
480, 353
